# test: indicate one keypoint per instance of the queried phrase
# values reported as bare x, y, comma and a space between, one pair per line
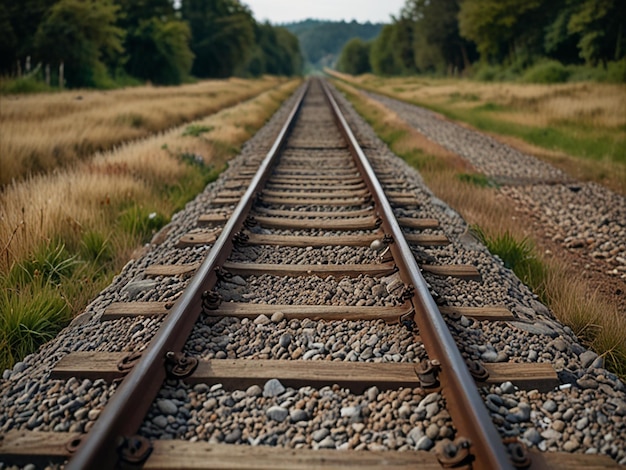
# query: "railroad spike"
477, 370
427, 372
134, 451
126, 364
211, 300
518, 452
179, 366
455, 454
250, 222
241, 238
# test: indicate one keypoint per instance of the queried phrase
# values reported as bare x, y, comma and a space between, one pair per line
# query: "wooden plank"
357, 376
228, 194
567, 461
171, 269
398, 201
315, 214
90, 365
315, 186
529, 376
421, 224
213, 219
346, 270
223, 201
304, 241
314, 201
42, 448
466, 272
294, 180
360, 223
119, 310
423, 239
184, 455
400, 194
314, 312
315, 175
35, 447
315, 195
490, 313
198, 238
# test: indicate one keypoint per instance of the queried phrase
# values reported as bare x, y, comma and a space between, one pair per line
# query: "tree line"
448, 36
91, 43
322, 41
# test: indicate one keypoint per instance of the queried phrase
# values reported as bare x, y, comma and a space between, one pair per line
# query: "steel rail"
123, 415
466, 407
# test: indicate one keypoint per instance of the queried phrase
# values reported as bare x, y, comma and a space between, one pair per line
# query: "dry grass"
594, 104
64, 235
595, 319
44, 131
578, 127
45, 206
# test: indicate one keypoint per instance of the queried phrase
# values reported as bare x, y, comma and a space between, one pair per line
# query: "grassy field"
64, 234
594, 319
578, 127
43, 132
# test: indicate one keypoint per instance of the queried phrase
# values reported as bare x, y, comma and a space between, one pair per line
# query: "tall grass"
64, 235
594, 318
72, 125
578, 127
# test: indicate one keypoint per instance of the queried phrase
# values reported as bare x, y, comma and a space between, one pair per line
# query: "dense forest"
322, 41
497, 39
96, 43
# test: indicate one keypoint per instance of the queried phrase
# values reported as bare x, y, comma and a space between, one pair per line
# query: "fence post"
61, 80
48, 74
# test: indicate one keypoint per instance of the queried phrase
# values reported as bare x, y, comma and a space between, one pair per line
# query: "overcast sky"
284, 11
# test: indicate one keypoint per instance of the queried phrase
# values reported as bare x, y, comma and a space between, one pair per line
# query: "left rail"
123, 415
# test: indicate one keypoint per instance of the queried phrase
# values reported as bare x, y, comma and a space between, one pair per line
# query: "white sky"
284, 11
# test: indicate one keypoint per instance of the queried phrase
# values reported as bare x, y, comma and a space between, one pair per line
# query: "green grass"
195, 130
29, 317
519, 255
572, 139
477, 179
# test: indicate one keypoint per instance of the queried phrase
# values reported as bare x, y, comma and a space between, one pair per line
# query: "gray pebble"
273, 388
277, 413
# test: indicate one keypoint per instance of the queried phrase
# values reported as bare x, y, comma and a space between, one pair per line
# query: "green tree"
502, 29
81, 34
160, 51
18, 23
276, 52
601, 25
438, 45
382, 56
355, 57
222, 35
157, 42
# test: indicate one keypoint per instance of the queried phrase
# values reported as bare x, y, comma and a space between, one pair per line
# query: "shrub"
29, 318
550, 71
24, 85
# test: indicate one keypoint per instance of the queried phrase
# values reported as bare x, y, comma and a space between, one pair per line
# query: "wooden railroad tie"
466, 272
315, 312
357, 376
42, 448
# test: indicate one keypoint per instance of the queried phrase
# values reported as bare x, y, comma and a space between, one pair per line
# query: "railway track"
297, 317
